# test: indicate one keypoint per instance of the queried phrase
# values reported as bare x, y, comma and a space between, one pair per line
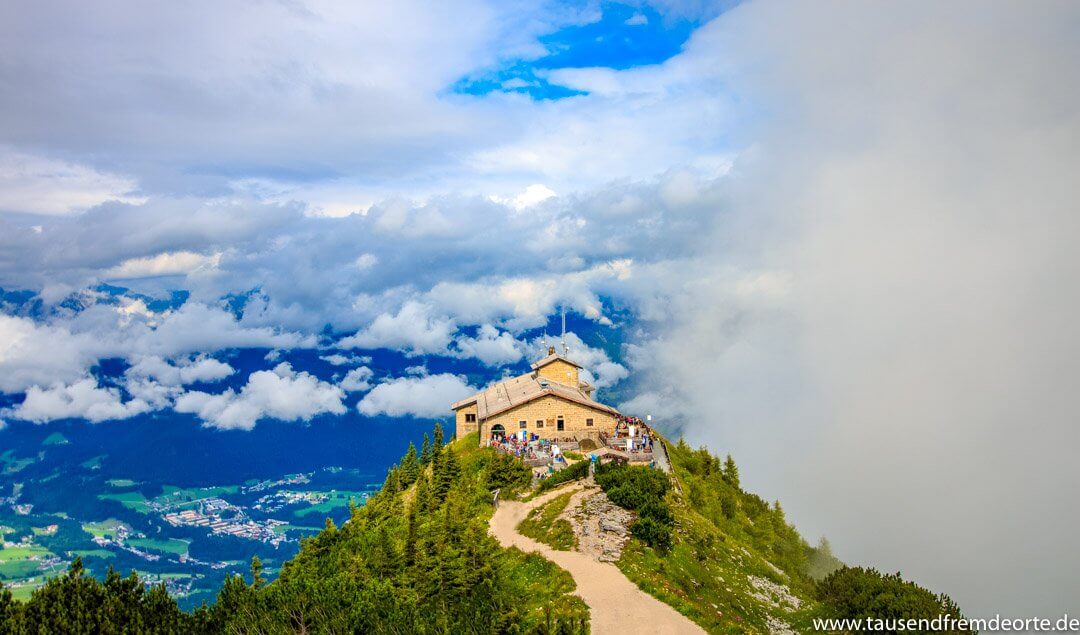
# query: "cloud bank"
282, 394
426, 396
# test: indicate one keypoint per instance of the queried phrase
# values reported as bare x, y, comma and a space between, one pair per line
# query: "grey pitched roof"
510, 393
552, 357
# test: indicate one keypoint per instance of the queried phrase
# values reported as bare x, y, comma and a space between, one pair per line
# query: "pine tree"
410, 536
438, 445
385, 557
425, 451
257, 579
8, 609
778, 514
410, 466
731, 472
423, 494
392, 484
446, 473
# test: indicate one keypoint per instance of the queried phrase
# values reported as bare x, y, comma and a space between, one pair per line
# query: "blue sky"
620, 37
790, 230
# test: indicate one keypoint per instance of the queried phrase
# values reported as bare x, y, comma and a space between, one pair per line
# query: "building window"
539, 423
559, 423
523, 424
588, 422
470, 418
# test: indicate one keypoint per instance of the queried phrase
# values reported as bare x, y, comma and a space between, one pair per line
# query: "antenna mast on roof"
565, 348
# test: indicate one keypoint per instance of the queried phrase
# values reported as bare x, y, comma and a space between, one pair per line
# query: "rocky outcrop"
602, 528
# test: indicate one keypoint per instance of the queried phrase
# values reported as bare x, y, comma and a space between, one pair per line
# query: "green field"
105, 528
132, 500
146, 575
336, 499
15, 562
21, 553
22, 593
281, 530
179, 498
121, 483
169, 545
104, 554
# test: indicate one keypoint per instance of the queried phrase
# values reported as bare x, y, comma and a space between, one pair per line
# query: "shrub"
641, 489
652, 532
507, 473
565, 475
855, 592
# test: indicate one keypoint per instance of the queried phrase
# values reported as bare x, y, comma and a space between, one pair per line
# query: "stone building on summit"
551, 402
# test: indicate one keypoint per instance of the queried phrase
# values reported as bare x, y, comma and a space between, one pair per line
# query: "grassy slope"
707, 574
543, 524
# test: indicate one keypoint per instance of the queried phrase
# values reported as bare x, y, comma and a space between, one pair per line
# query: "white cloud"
428, 396
164, 264
532, 195
599, 369
201, 369
33, 354
364, 262
527, 301
82, 399
38, 354
41, 185
337, 359
415, 329
490, 346
280, 394
637, 19
357, 379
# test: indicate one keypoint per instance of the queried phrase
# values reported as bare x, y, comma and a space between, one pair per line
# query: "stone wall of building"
561, 372
463, 427
548, 409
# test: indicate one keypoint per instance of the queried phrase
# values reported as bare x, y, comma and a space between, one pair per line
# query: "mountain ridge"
418, 557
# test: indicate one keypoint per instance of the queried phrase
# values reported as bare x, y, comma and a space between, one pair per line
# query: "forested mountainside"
418, 558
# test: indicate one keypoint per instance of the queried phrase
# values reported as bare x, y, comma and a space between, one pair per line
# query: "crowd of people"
532, 447
633, 434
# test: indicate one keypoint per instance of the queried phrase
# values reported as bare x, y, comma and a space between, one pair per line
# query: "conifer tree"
778, 513
410, 536
423, 494
447, 473
410, 466
257, 579
8, 607
425, 451
438, 445
731, 472
392, 485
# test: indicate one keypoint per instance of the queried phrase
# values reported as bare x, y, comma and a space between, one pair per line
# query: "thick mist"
892, 350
